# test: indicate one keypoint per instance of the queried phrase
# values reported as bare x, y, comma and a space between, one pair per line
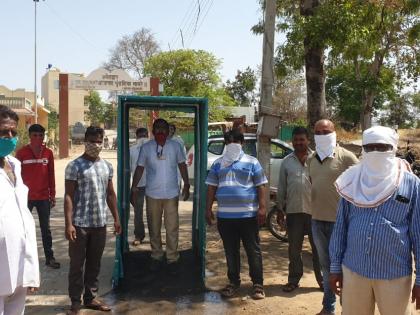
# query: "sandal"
258, 292
136, 242
98, 306
229, 290
289, 287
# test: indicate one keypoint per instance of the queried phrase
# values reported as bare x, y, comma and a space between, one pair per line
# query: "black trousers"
299, 225
232, 232
85, 263
43, 207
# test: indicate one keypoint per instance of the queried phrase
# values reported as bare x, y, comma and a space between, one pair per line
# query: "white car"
216, 148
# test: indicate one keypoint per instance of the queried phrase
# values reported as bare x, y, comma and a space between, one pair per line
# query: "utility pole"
35, 86
267, 82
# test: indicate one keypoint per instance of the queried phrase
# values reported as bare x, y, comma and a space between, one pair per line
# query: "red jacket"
38, 172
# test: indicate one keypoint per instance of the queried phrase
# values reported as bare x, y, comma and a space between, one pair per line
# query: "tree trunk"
314, 71
315, 84
367, 109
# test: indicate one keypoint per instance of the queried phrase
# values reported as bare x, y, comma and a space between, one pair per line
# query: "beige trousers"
393, 297
155, 208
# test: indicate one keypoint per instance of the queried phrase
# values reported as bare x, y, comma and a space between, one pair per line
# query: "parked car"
216, 148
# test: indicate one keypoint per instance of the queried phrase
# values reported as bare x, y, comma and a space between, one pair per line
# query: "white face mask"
325, 145
232, 153
378, 164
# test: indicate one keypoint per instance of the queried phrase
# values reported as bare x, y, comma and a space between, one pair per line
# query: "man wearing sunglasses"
377, 231
38, 174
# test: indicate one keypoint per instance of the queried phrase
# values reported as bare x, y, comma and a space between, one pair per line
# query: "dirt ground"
52, 297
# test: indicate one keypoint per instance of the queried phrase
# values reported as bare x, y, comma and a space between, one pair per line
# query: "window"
216, 147
278, 151
250, 148
56, 84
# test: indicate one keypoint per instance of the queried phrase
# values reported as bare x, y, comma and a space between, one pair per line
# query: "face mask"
160, 138
378, 163
93, 149
7, 145
233, 150
325, 145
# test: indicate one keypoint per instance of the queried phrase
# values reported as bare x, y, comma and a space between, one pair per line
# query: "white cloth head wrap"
379, 174
380, 134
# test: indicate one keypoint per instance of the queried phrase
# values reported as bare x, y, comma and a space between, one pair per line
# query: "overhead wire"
186, 19
211, 2
74, 31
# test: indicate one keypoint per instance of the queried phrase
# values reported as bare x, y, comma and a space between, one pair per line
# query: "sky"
76, 35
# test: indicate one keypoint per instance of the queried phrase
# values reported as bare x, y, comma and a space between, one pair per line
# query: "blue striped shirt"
378, 243
236, 194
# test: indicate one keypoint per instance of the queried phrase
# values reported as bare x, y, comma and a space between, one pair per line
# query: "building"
50, 93
21, 101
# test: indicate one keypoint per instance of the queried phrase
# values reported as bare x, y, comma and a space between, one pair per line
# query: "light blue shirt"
134, 157
378, 243
161, 181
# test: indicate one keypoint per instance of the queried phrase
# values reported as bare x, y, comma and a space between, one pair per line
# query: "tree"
191, 73
131, 52
345, 89
289, 98
98, 110
403, 111
242, 89
375, 33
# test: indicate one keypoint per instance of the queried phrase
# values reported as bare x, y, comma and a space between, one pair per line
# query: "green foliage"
191, 73
344, 90
23, 137
403, 111
242, 89
99, 112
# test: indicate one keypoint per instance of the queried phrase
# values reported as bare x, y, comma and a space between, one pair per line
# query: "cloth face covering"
93, 149
325, 145
375, 179
232, 153
7, 145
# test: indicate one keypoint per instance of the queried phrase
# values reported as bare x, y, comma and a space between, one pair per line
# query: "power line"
58, 16
191, 28
187, 17
202, 21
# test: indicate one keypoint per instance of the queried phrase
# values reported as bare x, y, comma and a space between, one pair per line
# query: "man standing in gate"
161, 158
294, 199
19, 270
38, 174
238, 182
89, 193
142, 136
377, 232
325, 165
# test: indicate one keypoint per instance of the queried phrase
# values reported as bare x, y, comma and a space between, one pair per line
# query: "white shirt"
161, 181
134, 157
18, 246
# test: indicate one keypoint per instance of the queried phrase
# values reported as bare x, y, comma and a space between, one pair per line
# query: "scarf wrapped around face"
377, 176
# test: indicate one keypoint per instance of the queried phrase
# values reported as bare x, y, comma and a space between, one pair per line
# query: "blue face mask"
7, 145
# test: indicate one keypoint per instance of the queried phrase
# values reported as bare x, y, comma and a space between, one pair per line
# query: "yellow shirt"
323, 175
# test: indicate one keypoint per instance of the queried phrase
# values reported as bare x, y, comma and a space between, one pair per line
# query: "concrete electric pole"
267, 81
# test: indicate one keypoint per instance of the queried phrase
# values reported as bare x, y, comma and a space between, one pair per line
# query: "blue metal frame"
199, 107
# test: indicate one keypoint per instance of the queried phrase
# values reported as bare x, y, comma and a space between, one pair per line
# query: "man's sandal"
258, 292
229, 290
290, 287
98, 306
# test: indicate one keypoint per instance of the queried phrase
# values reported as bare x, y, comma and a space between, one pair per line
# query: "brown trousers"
85, 263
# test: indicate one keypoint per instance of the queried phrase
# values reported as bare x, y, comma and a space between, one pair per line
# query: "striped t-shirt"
237, 184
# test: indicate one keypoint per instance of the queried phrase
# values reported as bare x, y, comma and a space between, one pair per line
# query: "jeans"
43, 207
232, 231
321, 232
299, 225
85, 263
139, 232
